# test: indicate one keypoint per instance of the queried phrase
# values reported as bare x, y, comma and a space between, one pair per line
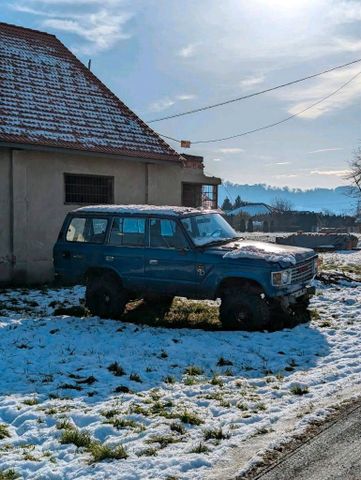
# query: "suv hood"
285, 255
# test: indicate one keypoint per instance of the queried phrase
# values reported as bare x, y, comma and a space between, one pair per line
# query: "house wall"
5, 239
39, 208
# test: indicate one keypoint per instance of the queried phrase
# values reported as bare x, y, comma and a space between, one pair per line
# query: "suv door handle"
153, 262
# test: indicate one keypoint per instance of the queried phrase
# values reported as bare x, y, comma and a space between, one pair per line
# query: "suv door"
124, 251
80, 246
170, 264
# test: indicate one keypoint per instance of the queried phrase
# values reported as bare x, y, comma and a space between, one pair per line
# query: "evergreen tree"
226, 205
238, 202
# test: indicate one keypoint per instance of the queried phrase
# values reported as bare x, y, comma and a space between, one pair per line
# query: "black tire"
291, 316
158, 301
244, 308
105, 296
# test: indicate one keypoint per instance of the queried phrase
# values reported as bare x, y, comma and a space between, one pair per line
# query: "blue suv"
155, 253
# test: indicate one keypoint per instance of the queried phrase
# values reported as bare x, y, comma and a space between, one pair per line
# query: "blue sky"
165, 56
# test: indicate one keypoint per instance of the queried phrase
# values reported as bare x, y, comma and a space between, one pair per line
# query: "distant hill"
335, 200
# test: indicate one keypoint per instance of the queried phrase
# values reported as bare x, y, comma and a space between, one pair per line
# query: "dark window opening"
198, 195
88, 189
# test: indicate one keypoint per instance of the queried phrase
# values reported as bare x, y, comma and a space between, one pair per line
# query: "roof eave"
140, 157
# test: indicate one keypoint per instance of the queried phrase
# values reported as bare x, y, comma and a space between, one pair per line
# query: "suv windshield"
208, 228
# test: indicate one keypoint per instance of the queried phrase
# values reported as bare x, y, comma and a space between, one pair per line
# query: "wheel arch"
95, 272
241, 282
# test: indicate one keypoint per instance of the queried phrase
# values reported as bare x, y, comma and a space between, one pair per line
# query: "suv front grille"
303, 272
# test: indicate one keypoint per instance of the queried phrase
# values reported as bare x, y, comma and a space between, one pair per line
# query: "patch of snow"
146, 209
263, 251
56, 367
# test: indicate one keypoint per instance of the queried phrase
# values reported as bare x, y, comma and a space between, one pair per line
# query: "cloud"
100, 27
161, 104
188, 51
230, 150
303, 96
185, 97
167, 102
321, 150
286, 175
217, 159
336, 173
280, 163
250, 82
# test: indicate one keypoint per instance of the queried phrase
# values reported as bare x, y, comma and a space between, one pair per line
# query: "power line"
261, 92
274, 124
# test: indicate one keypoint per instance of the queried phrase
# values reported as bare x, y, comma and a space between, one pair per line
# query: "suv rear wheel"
105, 296
244, 308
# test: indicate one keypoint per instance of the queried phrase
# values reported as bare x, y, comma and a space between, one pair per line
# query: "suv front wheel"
244, 308
105, 296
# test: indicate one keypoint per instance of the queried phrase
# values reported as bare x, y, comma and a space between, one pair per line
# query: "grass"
122, 423
4, 431
8, 475
76, 437
160, 408
98, 451
216, 380
163, 440
215, 434
148, 452
315, 314
193, 370
299, 390
64, 424
200, 448
102, 452
223, 362
190, 418
182, 314
116, 369
135, 377
31, 401
110, 413
177, 427
169, 379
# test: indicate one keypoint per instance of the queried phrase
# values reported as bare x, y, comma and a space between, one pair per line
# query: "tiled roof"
48, 98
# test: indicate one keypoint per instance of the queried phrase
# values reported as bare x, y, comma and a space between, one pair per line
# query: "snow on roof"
146, 209
252, 209
49, 98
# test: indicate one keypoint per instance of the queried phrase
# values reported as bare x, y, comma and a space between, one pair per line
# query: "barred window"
88, 189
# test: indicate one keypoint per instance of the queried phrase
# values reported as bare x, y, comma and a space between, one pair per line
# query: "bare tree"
355, 174
281, 204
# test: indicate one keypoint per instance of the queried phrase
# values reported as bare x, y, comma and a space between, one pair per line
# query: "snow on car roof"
147, 209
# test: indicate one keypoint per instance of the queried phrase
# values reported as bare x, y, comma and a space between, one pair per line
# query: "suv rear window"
128, 231
87, 230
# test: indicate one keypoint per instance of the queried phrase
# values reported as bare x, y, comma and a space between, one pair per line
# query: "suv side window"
87, 230
166, 233
127, 231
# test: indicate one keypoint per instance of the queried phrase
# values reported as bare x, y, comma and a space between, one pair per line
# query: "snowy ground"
181, 401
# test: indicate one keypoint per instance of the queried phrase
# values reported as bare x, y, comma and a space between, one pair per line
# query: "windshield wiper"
218, 242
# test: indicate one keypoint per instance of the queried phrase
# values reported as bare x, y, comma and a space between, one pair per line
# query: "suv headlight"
281, 278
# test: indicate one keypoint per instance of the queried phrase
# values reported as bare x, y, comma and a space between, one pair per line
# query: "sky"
166, 56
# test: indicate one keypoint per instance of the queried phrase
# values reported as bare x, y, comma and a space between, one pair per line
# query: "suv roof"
145, 209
